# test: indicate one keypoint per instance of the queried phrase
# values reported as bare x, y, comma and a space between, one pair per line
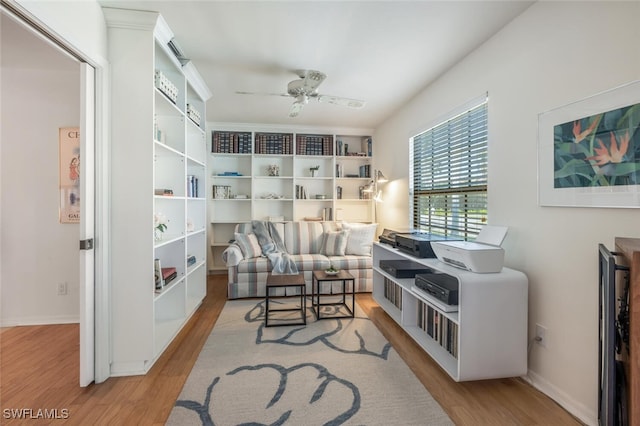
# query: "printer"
484, 255
418, 244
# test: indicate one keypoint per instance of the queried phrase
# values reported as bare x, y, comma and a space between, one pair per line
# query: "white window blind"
449, 175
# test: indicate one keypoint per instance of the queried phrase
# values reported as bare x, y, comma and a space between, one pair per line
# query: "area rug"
329, 372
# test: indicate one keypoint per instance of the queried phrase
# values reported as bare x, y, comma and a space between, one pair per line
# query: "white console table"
485, 338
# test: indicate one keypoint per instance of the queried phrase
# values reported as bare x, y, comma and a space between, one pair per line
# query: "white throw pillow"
360, 241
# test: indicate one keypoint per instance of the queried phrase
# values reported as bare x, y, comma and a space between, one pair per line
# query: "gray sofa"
311, 246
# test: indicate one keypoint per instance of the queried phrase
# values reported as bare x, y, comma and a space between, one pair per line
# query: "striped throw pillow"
249, 245
334, 243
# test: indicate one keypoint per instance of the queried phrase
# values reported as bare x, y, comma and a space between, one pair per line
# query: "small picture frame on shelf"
221, 192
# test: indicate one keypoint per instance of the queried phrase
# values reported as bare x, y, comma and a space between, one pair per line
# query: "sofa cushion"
360, 241
249, 245
303, 237
334, 243
311, 262
351, 262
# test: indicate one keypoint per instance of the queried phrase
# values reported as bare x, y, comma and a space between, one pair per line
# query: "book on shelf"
301, 192
191, 260
192, 186
169, 274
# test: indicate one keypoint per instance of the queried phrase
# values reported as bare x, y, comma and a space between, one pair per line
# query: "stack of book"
169, 274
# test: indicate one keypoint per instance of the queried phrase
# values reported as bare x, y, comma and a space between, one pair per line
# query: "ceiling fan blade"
300, 102
351, 103
313, 79
263, 94
295, 109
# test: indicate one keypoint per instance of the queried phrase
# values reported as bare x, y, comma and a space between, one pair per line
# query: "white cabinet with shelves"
287, 175
483, 337
160, 170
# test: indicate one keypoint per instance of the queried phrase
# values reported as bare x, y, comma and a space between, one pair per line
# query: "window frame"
453, 221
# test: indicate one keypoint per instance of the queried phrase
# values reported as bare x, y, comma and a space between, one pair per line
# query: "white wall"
553, 54
28, 283
38, 252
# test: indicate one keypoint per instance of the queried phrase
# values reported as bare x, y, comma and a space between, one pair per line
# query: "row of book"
192, 186
393, 293
440, 328
314, 145
301, 192
274, 143
231, 142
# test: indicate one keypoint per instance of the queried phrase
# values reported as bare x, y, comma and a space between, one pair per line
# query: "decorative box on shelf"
193, 114
221, 192
166, 86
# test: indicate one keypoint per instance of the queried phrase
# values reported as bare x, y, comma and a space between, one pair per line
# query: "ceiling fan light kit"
306, 88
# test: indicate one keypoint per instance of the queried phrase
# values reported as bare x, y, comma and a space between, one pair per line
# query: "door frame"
102, 339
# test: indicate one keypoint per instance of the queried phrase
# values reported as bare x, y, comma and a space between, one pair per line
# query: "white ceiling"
383, 52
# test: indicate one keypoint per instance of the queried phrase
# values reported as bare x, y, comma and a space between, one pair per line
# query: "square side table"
285, 281
321, 277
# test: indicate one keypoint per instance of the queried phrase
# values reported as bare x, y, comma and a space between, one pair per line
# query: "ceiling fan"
306, 88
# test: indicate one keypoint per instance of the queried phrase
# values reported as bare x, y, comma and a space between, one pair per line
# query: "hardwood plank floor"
39, 370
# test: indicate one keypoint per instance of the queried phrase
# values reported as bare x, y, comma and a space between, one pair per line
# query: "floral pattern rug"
329, 372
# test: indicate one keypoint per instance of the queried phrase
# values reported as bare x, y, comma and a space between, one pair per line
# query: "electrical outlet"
62, 289
541, 335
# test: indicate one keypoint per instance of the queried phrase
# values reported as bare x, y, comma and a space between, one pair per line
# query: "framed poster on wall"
589, 151
69, 154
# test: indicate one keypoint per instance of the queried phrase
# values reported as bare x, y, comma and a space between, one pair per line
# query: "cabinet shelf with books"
458, 337
273, 143
159, 139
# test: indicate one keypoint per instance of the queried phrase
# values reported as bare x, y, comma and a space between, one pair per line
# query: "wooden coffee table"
320, 278
285, 282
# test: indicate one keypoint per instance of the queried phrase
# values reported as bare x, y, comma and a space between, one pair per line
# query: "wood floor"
39, 370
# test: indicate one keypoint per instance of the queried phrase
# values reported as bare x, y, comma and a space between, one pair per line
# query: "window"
449, 175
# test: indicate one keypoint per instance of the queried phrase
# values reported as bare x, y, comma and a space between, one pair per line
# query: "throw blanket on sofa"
273, 247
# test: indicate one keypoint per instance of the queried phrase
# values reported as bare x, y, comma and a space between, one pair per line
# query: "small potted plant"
331, 270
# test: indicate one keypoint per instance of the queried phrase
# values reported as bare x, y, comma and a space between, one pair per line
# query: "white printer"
484, 255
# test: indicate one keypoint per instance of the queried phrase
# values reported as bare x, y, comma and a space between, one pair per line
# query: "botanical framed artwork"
589, 151
69, 155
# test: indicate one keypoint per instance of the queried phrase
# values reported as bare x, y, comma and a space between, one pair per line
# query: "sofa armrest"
232, 255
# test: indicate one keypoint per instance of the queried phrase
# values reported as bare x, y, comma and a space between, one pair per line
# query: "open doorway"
41, 93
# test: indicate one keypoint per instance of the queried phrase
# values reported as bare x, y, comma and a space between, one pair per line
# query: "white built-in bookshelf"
159, 151
245, 185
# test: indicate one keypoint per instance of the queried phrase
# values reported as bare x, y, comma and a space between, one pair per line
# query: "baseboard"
15, 322
580, 411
